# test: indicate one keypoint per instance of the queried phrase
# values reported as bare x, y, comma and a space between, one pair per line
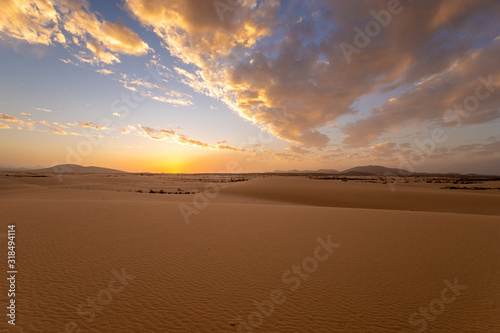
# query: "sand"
274, 254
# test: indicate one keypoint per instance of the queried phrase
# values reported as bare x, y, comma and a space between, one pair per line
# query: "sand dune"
366, 195
103, 260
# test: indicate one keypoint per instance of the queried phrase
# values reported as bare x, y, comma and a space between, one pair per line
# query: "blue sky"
183, 86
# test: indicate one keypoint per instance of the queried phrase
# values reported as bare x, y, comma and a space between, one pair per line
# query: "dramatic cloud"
43, 22
468, 92
34, 21
290, 73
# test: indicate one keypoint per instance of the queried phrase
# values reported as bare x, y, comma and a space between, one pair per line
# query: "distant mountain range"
368, 170
377, 170
329, 171
66, 168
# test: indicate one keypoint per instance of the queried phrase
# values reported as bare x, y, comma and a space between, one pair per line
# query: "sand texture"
273, 254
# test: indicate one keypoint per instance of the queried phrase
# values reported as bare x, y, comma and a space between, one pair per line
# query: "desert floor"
101, 253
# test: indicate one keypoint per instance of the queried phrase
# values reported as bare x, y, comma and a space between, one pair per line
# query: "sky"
188, 86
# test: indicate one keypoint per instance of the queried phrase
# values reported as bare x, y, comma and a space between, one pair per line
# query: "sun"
174, 165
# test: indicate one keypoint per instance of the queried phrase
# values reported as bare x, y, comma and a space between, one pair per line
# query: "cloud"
125, 131
4, 126
11, 119
482, 149
34, 21
175, 101
286, 71
103, 38
41, 22
60, 125
172, 136
42, 109
386, 149
104, 71
57, 131
443, 99
231, 148
116, 114
30, 124
298, 150
155, 91
269, 154
88, 125
27, 115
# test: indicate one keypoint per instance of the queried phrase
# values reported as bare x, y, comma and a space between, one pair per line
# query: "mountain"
368, 170
327, 171
73, 168
375, 170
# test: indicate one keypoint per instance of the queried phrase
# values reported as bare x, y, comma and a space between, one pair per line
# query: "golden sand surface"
271, 254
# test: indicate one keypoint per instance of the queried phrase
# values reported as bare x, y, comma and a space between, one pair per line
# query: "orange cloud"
57, 131
42, 22
34, 21
88, 125
164, 134
11, 119
104, 71
291, 85
298, 150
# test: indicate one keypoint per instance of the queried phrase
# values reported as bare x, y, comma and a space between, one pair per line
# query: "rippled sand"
266, 255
